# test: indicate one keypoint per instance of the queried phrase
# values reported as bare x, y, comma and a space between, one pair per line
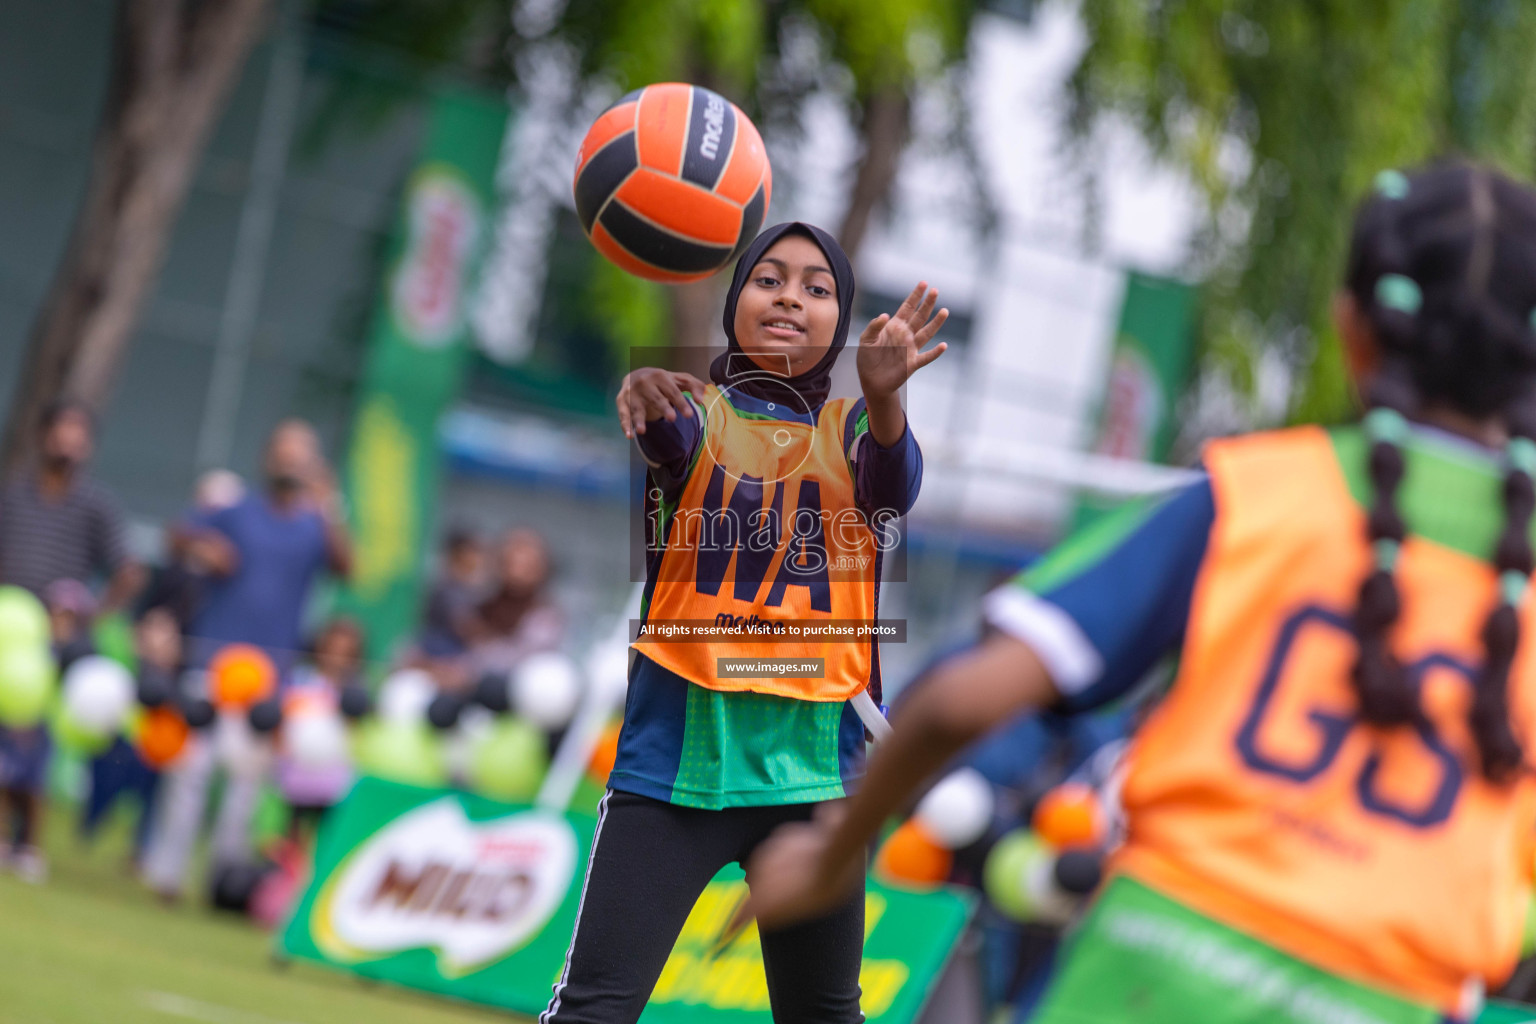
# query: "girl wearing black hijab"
768, 503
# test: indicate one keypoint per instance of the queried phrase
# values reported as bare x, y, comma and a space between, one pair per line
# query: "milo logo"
432, 879
442, 226
1133, 406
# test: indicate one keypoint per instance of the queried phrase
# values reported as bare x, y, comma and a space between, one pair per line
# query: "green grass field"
91, 947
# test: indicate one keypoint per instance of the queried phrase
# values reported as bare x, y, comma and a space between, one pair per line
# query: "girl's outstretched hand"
891, 347
790, 877
649, 394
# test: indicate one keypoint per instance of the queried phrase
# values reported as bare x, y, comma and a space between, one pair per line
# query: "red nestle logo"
429, 287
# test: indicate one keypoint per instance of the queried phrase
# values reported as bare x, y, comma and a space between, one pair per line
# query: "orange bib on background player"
766, 535
1256, 795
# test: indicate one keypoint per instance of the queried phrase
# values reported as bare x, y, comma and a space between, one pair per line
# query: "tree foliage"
381, 56
767, 56
1282, 112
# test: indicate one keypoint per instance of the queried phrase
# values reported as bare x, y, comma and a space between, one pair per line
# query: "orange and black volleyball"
672, 182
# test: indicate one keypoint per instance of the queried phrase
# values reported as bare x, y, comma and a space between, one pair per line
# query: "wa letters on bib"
766, 542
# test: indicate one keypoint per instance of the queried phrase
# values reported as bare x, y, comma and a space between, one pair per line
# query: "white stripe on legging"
554, 1002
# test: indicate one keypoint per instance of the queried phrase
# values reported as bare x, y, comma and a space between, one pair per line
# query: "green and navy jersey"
698, 747
1111, 602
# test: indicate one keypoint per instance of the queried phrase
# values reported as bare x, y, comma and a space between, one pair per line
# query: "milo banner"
1148, 370
449, 892
415, 361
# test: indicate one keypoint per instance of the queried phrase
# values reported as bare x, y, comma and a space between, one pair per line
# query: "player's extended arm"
890, 351
656, 414
805, 870
669, 444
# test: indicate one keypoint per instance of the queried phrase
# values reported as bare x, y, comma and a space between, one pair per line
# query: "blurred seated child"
121, 771
315, 688
449, 622
519, 617
71, 611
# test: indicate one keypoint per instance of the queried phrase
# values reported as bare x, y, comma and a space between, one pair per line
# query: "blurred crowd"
249, 563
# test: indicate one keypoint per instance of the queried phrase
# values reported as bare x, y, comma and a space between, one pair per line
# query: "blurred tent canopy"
1283, 113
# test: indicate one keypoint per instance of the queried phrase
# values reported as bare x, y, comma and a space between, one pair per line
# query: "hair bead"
1387, 552
1521, 452
1460, 233
1387, 425
1395, 291
1512, 587
1392, 184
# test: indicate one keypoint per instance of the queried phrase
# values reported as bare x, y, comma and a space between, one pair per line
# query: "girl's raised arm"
890, 352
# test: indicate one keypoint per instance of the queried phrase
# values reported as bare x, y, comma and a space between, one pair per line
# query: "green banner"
471, 898
1148, 371
415, 362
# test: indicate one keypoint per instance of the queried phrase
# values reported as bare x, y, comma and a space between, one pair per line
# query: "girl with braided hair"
1330, 814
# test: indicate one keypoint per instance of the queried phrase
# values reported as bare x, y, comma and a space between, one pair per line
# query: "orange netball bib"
768, 553
1258, 797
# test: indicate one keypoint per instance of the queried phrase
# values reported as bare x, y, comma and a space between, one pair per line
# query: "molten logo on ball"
714, 126
672, 182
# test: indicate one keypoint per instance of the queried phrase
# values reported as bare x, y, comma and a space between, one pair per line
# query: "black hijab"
746, 377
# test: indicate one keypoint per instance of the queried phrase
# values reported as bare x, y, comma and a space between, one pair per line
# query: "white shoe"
30, 865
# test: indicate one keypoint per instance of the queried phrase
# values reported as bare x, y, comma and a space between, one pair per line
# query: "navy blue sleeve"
883, 478
1109, 604
1134, 604
668, 447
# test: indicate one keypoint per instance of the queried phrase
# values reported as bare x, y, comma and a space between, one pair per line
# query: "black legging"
650, 862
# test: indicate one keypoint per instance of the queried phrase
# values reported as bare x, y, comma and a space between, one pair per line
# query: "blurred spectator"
336, 662
181, 802
71, 610
265, 552
120, 771
24, 753
336, 657
23, 774
58, 527
58, 523
263, 556
177, 584
518, 618
450, 624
